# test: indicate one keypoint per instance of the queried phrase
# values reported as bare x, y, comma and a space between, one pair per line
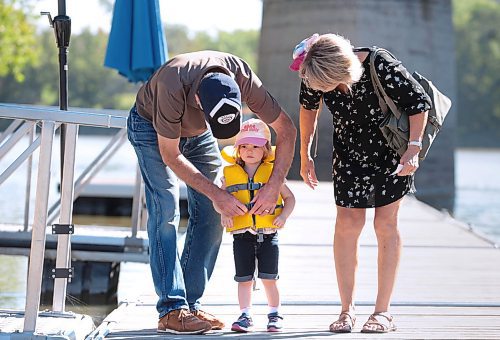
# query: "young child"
255, 236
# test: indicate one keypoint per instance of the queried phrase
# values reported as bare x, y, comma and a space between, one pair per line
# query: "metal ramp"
52, 225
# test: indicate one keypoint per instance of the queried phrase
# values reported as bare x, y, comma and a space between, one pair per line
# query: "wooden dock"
448, 285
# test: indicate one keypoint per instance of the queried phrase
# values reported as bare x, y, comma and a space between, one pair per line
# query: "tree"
92, 85
243, 43
17, 39
478, 71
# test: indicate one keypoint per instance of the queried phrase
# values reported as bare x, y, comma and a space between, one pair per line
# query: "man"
169, 132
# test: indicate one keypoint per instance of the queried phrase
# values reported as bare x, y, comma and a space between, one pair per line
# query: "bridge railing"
25, 121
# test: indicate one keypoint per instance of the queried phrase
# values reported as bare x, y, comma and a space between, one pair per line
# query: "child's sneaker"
243, 324
275, 323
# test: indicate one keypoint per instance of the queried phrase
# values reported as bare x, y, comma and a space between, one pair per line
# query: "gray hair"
330, 62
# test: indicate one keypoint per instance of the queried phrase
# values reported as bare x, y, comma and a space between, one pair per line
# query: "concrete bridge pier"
419, 32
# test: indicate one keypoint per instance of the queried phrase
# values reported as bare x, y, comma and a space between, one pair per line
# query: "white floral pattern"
362, 162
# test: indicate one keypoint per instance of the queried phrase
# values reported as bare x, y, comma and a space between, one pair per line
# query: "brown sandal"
374, 325
344, 324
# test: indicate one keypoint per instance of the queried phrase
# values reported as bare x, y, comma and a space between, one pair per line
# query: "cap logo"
250, 127
226, 119
222, 102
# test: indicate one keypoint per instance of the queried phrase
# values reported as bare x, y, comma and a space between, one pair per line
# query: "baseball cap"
253, 131
220, 98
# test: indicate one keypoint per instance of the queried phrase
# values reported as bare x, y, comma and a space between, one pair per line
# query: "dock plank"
448, 286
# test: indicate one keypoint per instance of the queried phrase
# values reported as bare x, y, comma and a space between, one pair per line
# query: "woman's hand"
308, 172
409, 161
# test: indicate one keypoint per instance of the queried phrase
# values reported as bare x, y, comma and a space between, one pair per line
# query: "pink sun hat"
253, 131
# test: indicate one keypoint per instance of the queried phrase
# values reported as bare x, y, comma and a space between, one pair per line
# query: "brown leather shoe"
216, 323
182, 321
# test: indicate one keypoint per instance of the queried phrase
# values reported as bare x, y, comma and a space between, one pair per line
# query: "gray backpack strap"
383, 99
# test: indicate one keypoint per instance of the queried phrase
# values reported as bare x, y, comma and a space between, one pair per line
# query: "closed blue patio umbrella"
137, 45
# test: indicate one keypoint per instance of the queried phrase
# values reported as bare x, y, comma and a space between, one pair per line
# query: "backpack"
396, 126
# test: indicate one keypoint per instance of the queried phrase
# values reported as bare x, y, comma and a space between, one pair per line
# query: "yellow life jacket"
244, 189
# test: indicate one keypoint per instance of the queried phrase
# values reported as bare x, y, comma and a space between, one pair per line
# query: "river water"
477, 202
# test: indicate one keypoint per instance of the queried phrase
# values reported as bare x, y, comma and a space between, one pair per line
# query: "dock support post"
63, 255
38, 236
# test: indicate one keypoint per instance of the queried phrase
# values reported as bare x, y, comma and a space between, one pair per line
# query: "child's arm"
289, 204
226, 221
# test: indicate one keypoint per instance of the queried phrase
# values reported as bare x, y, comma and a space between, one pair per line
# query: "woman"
364, 167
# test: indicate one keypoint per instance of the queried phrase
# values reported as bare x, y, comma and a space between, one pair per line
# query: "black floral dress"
362, 162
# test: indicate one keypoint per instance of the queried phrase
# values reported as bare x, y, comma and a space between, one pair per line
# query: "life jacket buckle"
254, 186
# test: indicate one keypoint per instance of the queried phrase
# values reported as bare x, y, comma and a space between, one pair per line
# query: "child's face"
251, 154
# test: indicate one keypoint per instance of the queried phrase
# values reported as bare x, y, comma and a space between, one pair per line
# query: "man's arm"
286, 133
223, 202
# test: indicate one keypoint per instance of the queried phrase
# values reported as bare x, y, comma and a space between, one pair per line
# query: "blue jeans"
179, 280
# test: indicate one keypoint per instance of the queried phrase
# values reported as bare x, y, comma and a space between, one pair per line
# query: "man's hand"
264, 202
226, 204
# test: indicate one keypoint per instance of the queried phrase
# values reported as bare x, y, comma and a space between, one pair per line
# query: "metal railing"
25, 121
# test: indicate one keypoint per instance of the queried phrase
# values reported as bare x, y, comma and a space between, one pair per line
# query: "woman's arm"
308, 124
410, 97
410, 158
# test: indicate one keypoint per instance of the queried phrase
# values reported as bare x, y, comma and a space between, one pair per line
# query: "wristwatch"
416, 143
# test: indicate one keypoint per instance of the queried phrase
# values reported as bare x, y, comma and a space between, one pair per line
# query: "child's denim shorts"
246, 250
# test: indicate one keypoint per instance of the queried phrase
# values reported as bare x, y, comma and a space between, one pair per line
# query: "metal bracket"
134, 244
65, 229
63, 273
51, 22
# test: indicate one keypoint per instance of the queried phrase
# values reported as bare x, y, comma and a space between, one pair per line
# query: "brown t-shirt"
168, 98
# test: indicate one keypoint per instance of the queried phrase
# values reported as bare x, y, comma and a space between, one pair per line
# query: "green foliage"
17, 39
42, 77
90, 84
478, 71
243, 43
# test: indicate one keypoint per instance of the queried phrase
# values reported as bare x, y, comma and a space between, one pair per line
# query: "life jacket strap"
244, 186
250, 206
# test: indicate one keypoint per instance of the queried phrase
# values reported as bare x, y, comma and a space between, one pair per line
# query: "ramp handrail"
26, 118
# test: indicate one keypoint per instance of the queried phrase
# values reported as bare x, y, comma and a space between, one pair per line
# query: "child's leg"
245, 296
268, 256
272, 293
244, 261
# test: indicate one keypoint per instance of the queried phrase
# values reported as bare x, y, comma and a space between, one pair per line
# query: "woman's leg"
348, 227
389, 252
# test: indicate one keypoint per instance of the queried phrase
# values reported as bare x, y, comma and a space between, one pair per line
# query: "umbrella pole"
62, 30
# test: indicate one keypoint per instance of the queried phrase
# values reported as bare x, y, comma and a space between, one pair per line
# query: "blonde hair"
329, 62
267, 151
